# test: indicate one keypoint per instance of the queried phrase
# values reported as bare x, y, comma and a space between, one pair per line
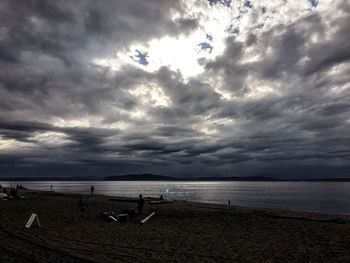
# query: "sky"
180, 88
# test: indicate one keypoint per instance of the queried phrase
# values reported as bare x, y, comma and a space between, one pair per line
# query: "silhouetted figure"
82, 207
51, 188
229, 201
13, 193
140, 205
161, 197
92, 189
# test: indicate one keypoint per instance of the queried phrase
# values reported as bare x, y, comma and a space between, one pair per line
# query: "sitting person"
14, 193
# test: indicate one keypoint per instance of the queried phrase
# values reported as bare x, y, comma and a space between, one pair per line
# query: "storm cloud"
93, 88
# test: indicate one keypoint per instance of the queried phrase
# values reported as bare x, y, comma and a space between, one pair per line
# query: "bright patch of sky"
9, 145
150, 95
38, 139
217, 19
180, 53
50, 138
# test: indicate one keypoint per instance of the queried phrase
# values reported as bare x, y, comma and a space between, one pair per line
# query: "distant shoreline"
152, 177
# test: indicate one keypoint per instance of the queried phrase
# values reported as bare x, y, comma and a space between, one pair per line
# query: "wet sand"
178, 232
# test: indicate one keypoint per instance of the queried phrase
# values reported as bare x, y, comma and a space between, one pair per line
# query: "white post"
148, 217
31, 220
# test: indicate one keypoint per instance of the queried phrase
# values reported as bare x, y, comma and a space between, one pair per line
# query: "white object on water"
3, 195
31, 220
148, 217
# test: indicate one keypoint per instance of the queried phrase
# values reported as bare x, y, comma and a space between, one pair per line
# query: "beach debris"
108, 216
112, 218
32, 218
3, 196
123, 217
146, 219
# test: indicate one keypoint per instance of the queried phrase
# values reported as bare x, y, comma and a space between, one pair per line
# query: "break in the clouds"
186, 88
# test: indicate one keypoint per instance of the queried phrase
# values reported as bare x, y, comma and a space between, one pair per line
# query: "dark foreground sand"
179, 232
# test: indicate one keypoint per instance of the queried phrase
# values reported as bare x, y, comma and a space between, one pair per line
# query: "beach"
178, 232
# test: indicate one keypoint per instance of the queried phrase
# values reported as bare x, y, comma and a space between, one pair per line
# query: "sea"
324, 197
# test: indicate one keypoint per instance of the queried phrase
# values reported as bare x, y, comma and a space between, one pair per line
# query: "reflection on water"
328, 197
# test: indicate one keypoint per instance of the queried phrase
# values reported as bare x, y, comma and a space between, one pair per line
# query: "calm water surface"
326, 197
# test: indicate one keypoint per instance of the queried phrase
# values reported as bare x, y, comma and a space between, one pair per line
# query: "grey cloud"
46, 77
190, 98
63, 29
47, 47
228, 65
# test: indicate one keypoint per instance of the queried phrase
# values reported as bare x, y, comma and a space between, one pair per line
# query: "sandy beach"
178, 232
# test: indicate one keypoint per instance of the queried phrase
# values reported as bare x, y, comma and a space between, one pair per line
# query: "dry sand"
178, 232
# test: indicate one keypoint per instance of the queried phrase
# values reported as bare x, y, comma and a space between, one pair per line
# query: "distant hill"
17, 179
324, 180
138, 177
153, 177
260, 178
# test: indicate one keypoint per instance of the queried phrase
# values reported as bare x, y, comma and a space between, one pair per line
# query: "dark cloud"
275, 100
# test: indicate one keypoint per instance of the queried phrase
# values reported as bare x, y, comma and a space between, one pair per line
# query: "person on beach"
82, 207
92, 189
140, 205
51, 188
161, 198
229, 201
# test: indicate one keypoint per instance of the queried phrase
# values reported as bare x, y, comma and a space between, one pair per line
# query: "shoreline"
204, 204
279, 209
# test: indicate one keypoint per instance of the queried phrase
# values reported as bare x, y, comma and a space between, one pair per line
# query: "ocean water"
325, 197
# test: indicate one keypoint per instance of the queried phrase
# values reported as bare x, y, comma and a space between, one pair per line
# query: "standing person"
51, 188
229, 201
92, 189
82, 207
140, 205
